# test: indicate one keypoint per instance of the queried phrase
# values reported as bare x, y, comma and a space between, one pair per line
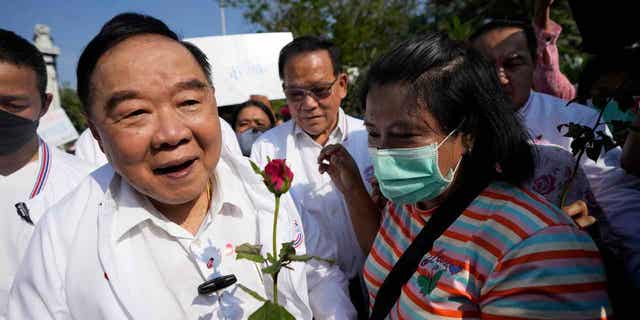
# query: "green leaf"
250, 252
434, 281
287, 250
252, 293
301, 257
271, 258
424, 283
271, 311
255, 167
273, 268
593, 151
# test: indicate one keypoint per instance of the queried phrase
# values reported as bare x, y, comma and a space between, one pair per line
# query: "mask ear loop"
451, 173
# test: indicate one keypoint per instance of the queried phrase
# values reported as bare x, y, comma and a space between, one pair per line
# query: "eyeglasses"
319, 92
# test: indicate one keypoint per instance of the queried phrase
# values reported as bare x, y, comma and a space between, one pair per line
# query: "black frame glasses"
319, 92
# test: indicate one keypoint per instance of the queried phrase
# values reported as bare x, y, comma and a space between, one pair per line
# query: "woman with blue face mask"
461, 236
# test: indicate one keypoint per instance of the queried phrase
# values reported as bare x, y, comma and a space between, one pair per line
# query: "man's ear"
48, 97
95, 134
343, 83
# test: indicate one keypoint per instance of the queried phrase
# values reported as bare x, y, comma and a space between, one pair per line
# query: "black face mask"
15, 132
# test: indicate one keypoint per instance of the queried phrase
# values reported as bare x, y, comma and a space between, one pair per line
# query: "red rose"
277, 176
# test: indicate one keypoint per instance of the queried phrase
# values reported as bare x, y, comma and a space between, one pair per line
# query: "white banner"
244, 64
56, 128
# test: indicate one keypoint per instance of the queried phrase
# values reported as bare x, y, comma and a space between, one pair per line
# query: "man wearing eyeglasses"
314, 86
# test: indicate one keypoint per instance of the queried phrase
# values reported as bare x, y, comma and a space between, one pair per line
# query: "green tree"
364, 29
441, 15
73, 107
360, 29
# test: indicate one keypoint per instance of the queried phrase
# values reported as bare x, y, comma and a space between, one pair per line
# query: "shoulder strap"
407, 264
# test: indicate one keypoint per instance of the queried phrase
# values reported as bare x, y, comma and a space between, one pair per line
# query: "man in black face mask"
33, 175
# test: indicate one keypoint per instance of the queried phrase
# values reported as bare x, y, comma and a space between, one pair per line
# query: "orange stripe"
499, 219
455, 292
510, 225
545, 202
434, 310
555, 289
376, 256
394, 216
486, 316
387, 238
478, 241
367, 275
465, 266
520, 203
547, 255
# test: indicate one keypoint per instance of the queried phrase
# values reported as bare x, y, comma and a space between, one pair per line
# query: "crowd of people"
447, 201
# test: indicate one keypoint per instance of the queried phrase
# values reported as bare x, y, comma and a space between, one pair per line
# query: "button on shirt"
172, 262
322, 204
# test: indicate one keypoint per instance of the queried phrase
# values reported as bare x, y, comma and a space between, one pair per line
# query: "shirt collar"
525, 109
338, 134
134, 209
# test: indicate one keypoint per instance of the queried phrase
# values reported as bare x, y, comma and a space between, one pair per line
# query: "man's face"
154, 115
313, 71
507, 48
19, 92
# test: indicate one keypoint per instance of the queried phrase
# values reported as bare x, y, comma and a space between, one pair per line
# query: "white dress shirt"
106, 252
39, 184
322, 207
172, 262
617, 192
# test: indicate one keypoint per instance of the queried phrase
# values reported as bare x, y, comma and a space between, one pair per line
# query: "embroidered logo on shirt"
427, 284
435, 263
210, 263
297, 241
435, 267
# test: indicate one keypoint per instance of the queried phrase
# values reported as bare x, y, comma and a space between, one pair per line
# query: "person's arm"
38, 289
548, 275
630, 160
547, 75
328, 291
365, 216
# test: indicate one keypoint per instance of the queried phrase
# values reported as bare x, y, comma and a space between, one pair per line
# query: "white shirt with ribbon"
37, 185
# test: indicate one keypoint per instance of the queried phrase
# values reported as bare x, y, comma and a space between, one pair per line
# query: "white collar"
339, 133
133, 208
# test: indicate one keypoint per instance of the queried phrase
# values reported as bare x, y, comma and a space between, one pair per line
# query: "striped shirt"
510, 255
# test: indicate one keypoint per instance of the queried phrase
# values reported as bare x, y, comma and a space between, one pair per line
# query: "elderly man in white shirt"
137, 238
314, 87
33, 175
511, 46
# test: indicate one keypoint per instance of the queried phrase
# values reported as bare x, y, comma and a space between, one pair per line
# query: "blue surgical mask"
409, 175
246, 140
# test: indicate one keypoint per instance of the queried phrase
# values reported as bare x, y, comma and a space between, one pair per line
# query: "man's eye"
190, 102
135, 113
321, 92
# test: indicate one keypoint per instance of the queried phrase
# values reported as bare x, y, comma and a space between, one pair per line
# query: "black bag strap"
407, 264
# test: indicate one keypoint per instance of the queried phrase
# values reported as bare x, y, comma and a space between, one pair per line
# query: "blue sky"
74, 22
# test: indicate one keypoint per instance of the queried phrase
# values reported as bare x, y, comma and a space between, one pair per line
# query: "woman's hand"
335, 160
579, 212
